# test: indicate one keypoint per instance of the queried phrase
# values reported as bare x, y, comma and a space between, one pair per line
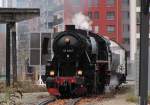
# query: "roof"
17, 14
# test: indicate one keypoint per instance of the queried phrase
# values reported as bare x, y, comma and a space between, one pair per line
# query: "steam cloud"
81, 21
114, 81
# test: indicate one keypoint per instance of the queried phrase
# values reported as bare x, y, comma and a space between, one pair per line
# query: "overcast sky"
0, 3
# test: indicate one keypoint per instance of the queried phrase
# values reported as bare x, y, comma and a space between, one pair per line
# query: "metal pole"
7, 54
144, 45
14, 55
133, 31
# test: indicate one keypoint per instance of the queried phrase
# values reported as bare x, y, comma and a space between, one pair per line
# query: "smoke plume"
81, 21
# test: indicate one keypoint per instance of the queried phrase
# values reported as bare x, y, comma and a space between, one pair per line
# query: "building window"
126, 27
93, 3
76, 2
110, 28
96, 29
96, 15
90, 15
126, 2
138, 28
127, 40
110, 2
126, 14
138, 18
138, 3
89, 2
110, 15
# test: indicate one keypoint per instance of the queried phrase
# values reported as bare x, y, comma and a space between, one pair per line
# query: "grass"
29, 87
25, 87
134, 99
131, 97
10, 96
13, 94
149, 98
125, 89
2, 87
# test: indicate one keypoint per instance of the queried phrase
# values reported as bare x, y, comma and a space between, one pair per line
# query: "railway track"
72, 101
76, 101
60, 102
46, 101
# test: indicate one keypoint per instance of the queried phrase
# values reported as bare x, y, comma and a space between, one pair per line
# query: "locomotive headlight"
80, 72
67, 40
52, 73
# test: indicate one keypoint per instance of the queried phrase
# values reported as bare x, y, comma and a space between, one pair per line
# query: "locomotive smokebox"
70, 27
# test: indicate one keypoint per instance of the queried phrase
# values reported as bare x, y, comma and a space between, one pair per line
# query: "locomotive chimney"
69, 27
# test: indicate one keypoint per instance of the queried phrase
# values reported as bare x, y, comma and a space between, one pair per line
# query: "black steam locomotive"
84, 62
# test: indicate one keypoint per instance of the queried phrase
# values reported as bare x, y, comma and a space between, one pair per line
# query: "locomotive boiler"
83, 63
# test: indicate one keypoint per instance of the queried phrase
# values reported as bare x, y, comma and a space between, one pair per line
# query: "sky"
0, 3
3, 3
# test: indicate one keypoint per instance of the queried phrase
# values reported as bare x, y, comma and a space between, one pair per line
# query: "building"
106, 16
30, 35
10, 3
125, 8
110, 18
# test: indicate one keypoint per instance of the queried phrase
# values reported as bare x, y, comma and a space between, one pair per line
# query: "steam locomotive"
83, 63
